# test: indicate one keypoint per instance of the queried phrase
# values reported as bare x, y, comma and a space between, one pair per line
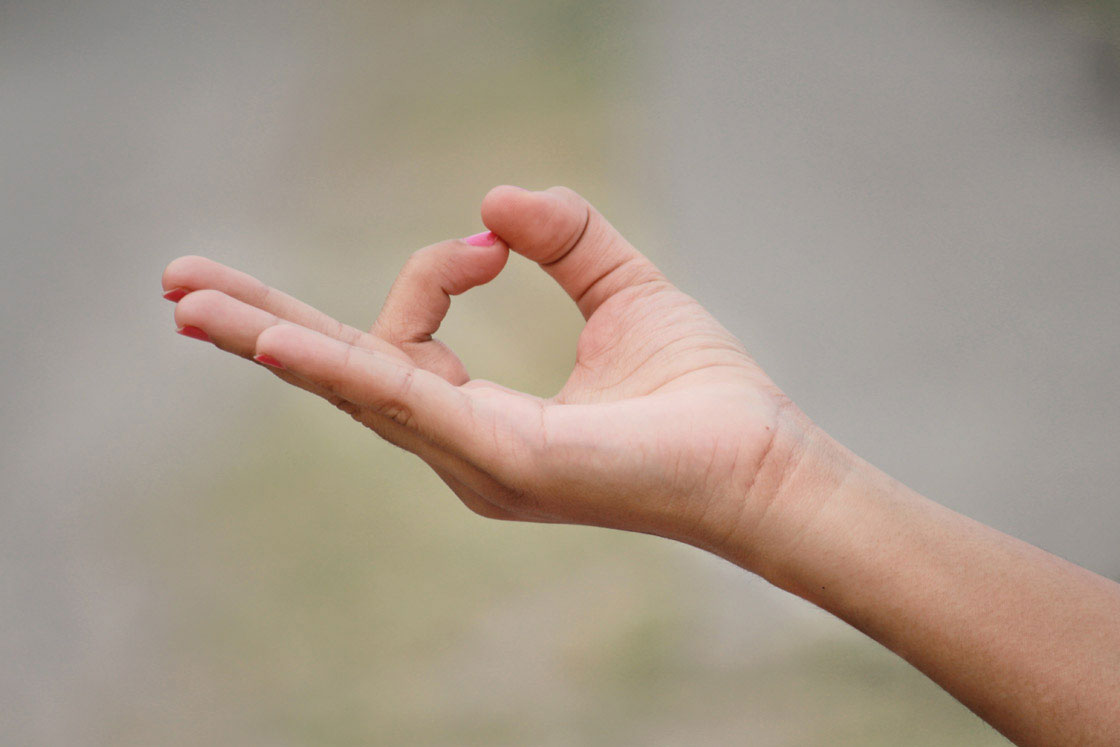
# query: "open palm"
664, 425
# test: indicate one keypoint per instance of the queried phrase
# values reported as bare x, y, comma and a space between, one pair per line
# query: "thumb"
570, 240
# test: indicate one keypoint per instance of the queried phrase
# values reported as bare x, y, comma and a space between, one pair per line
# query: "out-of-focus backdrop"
908, 209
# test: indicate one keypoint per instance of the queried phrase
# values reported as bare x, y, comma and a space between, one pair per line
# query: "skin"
668, 426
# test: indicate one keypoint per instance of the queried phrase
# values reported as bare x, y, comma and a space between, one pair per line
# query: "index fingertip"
485, 238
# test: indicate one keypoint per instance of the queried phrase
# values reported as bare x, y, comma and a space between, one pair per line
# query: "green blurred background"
196, 554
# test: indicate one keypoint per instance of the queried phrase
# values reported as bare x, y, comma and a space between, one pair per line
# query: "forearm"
666, 425
1028, 641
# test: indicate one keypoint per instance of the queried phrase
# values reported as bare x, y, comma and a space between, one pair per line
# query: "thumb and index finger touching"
556, 228
570, 240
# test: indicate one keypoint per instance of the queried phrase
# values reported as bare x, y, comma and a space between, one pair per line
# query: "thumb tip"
502, 197
511, 211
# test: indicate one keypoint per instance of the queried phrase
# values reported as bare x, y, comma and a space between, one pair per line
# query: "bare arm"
668, 426
1028, 641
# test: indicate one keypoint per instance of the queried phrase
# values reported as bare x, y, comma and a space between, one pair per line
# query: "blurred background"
909, 210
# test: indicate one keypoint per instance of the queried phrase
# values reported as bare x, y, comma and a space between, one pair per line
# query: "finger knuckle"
567, 193
420, 261
392, 401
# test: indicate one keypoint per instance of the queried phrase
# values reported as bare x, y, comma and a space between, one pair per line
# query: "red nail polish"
175, 295
486, 238
268, 360
195, 332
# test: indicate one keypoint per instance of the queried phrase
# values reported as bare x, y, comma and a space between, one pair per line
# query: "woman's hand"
666, 425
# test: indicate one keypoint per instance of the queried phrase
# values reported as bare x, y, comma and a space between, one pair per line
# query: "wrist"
802, 473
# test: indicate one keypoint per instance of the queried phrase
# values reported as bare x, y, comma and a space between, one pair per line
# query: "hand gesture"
665, 425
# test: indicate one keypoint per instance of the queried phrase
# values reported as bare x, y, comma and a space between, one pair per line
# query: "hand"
665, 426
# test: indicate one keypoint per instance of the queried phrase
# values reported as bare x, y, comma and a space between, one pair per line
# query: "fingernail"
175, 295
195, 332
268, 360
486, 238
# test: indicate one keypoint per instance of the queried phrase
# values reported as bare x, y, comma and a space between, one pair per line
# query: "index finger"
421, 294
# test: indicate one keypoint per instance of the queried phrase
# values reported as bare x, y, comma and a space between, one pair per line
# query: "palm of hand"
665, 417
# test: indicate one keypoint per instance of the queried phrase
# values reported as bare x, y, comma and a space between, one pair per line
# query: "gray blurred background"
908, 209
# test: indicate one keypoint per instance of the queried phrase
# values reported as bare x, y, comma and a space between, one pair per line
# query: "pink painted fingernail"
486, 238
195, 332
268, 360
175, 295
